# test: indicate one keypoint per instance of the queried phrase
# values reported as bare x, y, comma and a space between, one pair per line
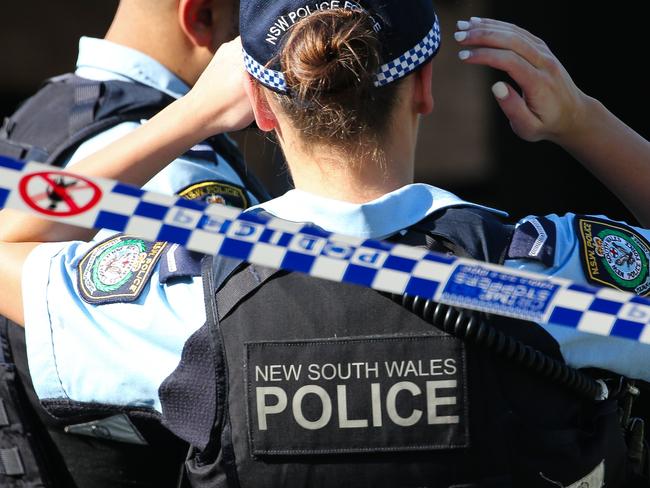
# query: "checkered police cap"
408, 30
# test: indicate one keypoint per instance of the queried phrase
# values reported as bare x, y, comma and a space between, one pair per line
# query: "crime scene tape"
216, 229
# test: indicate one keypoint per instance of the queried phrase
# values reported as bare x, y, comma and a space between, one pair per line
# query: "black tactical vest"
81, 449
300, 382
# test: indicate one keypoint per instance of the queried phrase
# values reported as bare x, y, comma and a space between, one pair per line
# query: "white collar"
102, 60
376, 219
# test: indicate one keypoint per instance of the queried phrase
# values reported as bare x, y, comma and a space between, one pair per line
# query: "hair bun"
330, 52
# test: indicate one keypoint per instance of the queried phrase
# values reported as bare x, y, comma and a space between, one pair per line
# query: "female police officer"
395, 402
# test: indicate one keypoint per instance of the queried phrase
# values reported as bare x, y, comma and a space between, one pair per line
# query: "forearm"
134, 159
141, 154
616, 155
12, 258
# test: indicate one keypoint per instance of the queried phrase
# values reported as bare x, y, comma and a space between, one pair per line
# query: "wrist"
582, 123
195, 120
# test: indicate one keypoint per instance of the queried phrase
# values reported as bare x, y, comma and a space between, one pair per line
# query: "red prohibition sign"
59, 194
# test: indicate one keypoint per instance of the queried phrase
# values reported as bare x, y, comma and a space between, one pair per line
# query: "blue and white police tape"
106, 204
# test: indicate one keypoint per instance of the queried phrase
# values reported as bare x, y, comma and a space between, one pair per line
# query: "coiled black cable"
470, 327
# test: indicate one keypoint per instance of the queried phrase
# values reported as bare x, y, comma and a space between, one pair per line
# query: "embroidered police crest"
117, 270
216, 192
614, 255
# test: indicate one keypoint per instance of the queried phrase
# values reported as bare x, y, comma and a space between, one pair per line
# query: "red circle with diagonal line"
59, 194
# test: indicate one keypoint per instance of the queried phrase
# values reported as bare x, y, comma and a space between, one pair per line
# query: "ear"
264, 116
197, 19
422, 94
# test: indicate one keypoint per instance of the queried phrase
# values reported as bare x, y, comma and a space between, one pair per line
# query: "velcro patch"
117, 428
534, 239
118, 269
376, 394
220, 192
614, 255
179, 262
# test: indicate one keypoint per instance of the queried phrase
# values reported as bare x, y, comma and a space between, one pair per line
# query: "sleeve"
597, 251
116, 354
100, 141
198, 174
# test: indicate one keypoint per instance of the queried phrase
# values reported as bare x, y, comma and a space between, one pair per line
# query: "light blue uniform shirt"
582, 350
128, 348
121, 353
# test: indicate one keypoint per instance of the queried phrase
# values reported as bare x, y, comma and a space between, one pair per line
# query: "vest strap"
240, 286
10, 462
86, 97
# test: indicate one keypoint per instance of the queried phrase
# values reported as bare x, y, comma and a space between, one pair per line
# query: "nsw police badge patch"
614, 255
216, 192
118, 269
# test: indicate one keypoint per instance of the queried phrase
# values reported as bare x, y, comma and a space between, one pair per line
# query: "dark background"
467, 145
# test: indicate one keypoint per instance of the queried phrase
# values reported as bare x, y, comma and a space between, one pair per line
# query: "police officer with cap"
285, 380
153, 52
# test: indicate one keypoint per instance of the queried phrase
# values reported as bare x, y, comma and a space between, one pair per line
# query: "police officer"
153, 50
298, 382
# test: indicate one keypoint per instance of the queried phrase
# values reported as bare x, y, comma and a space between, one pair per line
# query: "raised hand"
218, 97
550, 106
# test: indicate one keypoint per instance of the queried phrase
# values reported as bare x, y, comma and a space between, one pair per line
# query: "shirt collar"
376, 219
100, 59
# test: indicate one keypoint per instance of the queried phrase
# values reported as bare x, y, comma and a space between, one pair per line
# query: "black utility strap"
221, 428
10, 462
86, 97
240, 286
18, 457
4, 417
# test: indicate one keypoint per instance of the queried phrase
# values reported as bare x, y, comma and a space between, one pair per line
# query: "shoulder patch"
217, 192
118, 269
614, 255
534, 239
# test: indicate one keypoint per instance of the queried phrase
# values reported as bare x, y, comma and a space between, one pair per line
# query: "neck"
355, 179
160, 38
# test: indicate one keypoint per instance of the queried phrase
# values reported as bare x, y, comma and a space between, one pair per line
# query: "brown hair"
330, 60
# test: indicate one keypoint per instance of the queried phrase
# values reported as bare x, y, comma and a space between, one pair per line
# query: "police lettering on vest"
407, 393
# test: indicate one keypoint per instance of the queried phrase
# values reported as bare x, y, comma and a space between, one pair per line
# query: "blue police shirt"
142, 351
120, 353
582, 350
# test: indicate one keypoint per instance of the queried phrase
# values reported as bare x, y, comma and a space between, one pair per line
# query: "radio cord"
471, 328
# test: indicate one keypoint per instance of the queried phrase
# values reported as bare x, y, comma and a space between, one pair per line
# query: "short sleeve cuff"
38, 332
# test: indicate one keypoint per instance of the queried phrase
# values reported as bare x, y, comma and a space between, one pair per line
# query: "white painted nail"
463, 55
463, 25
476, 20
500, 90
460, 36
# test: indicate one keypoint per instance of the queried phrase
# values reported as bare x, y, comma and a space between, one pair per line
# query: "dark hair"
330, 60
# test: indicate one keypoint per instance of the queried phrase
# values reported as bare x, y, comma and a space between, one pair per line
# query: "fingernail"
500, 90
476, 20
463, 25
460, 36
463, 55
